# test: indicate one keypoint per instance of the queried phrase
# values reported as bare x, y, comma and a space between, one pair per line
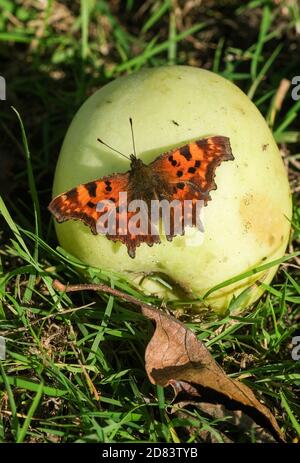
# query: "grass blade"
35, 403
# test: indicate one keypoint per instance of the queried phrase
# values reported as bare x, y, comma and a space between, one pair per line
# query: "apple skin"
247, 221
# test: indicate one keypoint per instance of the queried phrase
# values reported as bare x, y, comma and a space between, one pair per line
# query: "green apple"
247, 221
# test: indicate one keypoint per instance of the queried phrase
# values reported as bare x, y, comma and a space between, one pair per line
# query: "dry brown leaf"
174, 356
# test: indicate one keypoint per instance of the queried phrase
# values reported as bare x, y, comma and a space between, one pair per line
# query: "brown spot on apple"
267, 227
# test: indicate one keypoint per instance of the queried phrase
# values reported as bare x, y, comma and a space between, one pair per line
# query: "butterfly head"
135, 163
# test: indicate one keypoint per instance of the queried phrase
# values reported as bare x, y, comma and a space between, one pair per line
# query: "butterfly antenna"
132, 136
113, 149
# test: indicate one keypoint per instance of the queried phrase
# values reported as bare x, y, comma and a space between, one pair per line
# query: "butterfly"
182, 175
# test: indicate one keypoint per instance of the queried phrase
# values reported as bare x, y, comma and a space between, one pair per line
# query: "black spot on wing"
107, 186
72, 194
91, 188
185, 152
172, 160
202, 144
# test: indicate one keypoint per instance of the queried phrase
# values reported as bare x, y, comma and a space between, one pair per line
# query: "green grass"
74, 370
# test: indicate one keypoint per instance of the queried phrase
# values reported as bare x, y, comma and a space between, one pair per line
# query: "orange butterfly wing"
190, 170
80, 203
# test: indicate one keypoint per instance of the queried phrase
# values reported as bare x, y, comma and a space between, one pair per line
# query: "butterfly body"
145, 184
185, 173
